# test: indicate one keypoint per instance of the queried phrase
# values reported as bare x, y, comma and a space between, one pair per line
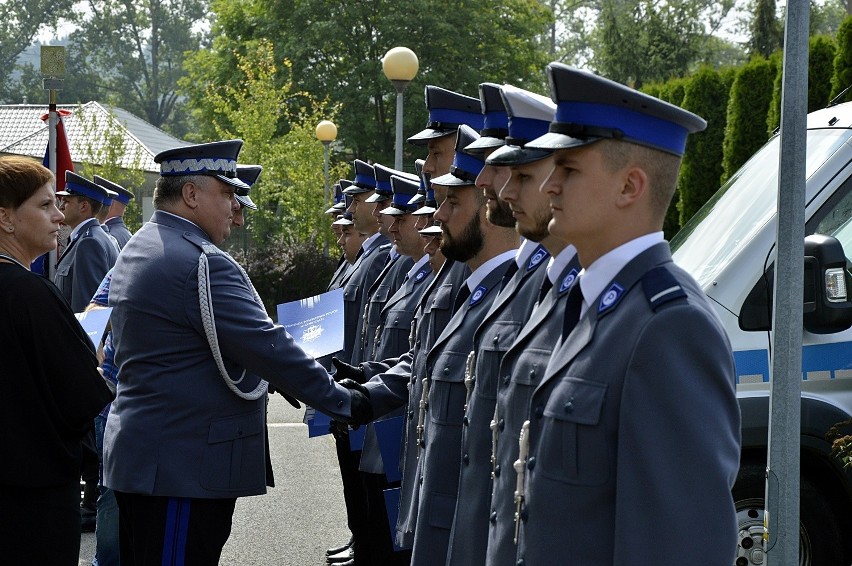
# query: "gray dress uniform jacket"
176, 428
496, 333
402, 384
355, 283
83, 264
118, 230
521, 369
385, 285
440, 459
634, 433
393, 331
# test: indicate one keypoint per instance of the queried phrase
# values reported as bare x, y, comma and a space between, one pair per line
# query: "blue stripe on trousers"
177, 527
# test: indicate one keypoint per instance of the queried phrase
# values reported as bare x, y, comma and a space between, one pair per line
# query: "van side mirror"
826, 305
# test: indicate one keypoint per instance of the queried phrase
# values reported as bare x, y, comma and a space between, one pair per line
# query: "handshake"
352, 378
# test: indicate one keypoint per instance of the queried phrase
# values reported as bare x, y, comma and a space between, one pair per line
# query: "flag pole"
53, 72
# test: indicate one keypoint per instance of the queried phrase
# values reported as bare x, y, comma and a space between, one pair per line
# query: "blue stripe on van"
817, 357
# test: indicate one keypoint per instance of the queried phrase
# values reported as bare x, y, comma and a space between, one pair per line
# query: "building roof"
22, 132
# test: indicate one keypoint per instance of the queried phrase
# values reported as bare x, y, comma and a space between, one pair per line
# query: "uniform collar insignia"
422, 274
610, 298
478, 295
539, 255
567, 281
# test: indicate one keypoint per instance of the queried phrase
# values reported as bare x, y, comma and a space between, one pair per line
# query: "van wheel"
820, 543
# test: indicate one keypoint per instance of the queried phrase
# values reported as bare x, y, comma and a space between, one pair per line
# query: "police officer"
487, 249
633, 434
90, 252
114, 219
529, 116
185, 436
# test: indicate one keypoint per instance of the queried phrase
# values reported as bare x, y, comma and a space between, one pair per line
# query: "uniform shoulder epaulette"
201, 243
661, 287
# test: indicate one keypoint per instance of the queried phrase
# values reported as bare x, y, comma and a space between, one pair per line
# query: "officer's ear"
189, 193
634, 187
5, 218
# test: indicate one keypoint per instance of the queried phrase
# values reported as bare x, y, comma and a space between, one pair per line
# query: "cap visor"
450, 180
394, 211
481, 145
430, 231
332, 210
553, 141
233, 181
246, 201
514, 155
63, 193
377, 197
417, 199
342, 222
356, 190
423, 137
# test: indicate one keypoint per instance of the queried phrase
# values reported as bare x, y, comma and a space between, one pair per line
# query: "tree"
821, 53
748, 107
842, 78
335, 48
20, 22
766, 33
137, 49
705, 94
289, 193
647, 40
106, 155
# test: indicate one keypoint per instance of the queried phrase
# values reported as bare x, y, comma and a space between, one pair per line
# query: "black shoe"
339, 549
341, 557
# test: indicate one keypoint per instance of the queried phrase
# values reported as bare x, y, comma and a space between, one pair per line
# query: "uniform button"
539, 412
396, 320
493, 518
521, 562
466, 459
410, 414
421, 480
502, 424
569, 405
496, 338
417, 343
506, 379
465, 422
446, 370
531, 462
339, 404
532, 373
497, 471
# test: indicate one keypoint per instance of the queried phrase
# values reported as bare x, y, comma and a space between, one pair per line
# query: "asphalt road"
295, 521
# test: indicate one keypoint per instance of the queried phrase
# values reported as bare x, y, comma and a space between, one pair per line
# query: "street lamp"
400, 67
326, 133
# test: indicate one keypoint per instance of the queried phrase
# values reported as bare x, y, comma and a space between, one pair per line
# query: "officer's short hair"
94, 205
169, 189
662, 168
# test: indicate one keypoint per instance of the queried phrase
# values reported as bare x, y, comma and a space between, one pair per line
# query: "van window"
731, 218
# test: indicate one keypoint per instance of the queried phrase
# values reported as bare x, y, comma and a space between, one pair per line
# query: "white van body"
727, 247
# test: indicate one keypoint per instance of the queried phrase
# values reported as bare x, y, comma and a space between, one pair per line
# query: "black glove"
339, 430
361, 410
346, 371
292, 400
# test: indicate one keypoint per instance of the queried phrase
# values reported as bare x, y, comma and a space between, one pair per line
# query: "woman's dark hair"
20, 178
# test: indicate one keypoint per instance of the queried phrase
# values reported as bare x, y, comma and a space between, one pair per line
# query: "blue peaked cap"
591, 108
465, 167
496, 126
76, 185
447, 111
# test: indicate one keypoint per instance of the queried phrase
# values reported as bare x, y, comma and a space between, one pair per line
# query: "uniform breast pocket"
64, 269
350, 293
396, 332
573, 447
493, 344
232, 459
523, 377
442, 300
447, 393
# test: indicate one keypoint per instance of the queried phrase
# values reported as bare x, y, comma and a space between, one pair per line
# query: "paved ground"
296, 521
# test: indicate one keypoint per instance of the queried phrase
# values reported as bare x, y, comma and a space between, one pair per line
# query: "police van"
729, 247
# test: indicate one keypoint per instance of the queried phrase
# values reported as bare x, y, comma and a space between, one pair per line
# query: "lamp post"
326, 133
400, 67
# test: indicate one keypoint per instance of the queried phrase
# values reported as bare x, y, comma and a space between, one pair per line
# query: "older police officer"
185, 436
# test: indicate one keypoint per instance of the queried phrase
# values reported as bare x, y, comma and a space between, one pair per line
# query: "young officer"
633, 434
